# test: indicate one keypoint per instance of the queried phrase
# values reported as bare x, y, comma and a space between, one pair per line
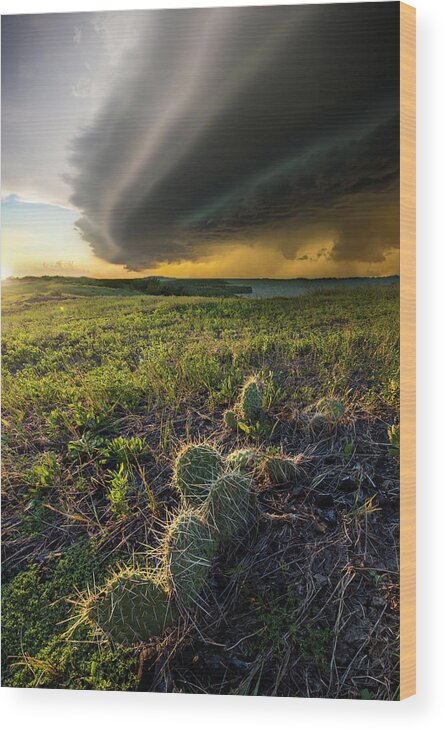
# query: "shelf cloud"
276, 124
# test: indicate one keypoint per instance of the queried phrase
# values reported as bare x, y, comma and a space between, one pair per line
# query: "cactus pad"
131, 608
230, 420
197, 467
319, 425
229, 505
281, 471
190, 544
244, 460
251, 399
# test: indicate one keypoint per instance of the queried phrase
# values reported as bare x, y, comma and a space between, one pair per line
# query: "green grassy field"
312, 600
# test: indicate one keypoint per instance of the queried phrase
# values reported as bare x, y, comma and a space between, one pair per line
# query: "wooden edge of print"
408, 350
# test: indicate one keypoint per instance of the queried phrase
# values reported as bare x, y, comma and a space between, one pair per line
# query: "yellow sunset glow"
257, 259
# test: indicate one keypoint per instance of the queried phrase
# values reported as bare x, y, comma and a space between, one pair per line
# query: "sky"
236, 142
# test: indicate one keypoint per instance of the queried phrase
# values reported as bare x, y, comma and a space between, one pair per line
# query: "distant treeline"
152, 285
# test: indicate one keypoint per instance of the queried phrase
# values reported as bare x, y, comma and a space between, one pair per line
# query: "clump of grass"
331, 407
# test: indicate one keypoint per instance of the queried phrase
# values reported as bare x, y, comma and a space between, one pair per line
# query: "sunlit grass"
99, 390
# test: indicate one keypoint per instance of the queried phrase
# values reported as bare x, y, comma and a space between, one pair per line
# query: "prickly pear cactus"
197, 467
131, 608
243, 460
281, 470
189, 548
231, 420
318, 425
229, 505
251, 399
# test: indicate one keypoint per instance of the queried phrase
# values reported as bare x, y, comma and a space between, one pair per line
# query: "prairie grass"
101, 389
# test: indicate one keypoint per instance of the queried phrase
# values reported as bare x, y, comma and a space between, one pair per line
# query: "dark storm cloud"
223, 123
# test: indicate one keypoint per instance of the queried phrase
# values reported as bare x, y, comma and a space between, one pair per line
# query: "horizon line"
197, 278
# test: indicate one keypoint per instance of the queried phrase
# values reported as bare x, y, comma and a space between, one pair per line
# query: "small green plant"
368, 507
86, 447
132, 607
259, 430
278, 616
119, 481
282, 626
348, 449
273, 394
197, 467
331, 407
44, 475
59, 421
365, 694
124, 450
88, 418
315, 644
227, 389
188, 551
377, 577
394, 440
35, 516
